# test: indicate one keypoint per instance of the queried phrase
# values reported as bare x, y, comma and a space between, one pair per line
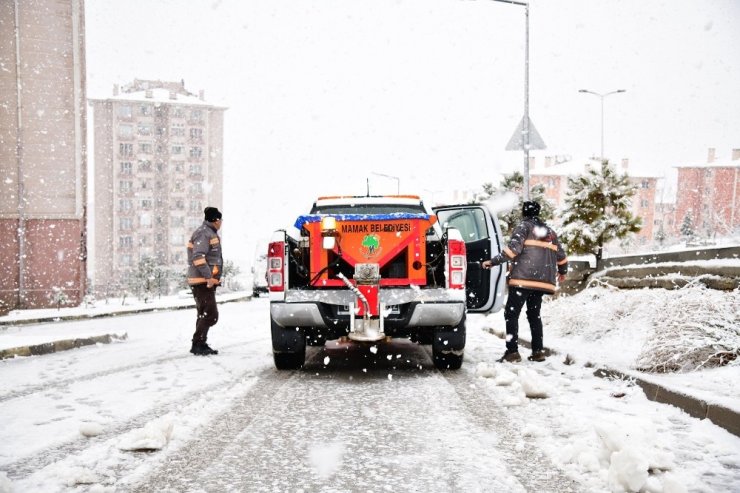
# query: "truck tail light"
276, 266
457, 262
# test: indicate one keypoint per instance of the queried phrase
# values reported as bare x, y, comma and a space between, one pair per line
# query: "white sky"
323, 93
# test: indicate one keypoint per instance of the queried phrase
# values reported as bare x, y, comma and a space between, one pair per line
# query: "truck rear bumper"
413, 314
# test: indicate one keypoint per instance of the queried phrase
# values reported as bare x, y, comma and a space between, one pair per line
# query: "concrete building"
554, 173
43, 165
709, 193
158, 163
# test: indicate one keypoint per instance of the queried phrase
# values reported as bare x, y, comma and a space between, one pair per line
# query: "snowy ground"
81, 420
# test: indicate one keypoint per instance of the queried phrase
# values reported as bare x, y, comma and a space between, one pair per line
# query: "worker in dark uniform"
205, 263
536, 258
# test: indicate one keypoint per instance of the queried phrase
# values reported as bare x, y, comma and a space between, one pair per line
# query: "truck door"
483, 239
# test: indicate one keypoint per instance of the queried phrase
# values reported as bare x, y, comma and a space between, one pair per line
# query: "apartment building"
709, 193
158, 164
43, 163
554, 172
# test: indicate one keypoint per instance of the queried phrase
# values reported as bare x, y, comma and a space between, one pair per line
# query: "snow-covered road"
145, 415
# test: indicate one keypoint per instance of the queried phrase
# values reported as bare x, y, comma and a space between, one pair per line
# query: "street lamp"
398, 181
525, 127
602, 96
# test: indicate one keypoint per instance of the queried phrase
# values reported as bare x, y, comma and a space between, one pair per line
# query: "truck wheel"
288, 346
448, 346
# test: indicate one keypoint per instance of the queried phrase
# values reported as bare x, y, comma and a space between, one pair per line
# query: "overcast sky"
324, 93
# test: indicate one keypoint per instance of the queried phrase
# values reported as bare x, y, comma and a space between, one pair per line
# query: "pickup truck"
369, 268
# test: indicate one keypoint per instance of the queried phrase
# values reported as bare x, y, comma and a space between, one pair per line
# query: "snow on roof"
713, 164
578, 167
160, 95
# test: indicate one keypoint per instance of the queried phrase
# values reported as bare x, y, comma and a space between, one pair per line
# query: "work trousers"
205, 303
516, 300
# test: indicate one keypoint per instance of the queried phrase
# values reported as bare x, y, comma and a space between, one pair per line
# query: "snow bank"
154, 435
326, 458
5, 485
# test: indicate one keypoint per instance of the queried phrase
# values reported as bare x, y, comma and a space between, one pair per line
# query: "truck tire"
448, 346
288, 347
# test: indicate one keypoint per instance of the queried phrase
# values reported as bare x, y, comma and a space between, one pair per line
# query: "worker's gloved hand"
486, 264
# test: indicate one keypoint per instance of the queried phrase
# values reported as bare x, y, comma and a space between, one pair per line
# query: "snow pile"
5, 485
91, 429
700, 328
532, 385
325, 459
658, 330
154, 435
633, 459
78, 475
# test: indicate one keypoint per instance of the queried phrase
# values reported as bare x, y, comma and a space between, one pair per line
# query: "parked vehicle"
370, 268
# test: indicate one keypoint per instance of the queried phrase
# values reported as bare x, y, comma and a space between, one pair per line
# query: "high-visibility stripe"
564, 261
526, 283
214, 241
200, 280
199, 261
215, 270
542, 244
190, 244
509, 253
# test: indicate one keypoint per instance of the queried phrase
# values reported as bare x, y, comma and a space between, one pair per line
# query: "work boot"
208, 349
195, 348
537, 356
511, 357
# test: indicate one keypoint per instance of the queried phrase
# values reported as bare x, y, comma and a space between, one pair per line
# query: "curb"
722, 416
63, 345
64, 318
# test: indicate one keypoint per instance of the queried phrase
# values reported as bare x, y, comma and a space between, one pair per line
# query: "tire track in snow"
27, 465
58, 384
531, 466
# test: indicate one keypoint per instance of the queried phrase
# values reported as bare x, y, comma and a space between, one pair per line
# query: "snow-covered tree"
597, 210
687, 226
147, 278
514, 182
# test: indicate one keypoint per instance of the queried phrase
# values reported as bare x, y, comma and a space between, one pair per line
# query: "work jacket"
204, 255
536, 256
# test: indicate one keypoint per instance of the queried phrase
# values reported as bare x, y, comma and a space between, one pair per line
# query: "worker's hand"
561, 278
212, 281
486, 264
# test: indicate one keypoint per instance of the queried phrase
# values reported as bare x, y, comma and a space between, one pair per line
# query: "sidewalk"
17, 338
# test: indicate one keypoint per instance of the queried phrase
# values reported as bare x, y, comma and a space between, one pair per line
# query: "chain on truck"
371, 268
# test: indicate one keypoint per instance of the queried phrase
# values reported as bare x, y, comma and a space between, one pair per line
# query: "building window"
178, 130
178, 186
196, 152
124, 205
126, 167
126, 223
146, 204
125, 186
195, 206
196, 170
145, 110
196, 115
179, 166
177, 222
126, 150
644, 203
177, 239
125, 241
161, 130
645, 184
196, 188
178, 112
179, 204
176, 149
193, 222
161, 167
145, 165
124, 111
196, 133
125, 131
145, 147
125, 260
145, 185
145, 129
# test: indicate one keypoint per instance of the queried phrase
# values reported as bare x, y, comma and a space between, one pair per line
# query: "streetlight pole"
525, 126
602, 96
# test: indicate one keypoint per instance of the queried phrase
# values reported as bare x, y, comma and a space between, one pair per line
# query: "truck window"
470, 222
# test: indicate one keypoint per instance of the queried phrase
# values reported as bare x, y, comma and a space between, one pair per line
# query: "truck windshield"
367, 209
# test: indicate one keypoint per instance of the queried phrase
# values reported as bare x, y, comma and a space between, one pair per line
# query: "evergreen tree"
597, 210
687, 226
147, 277
513, 183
